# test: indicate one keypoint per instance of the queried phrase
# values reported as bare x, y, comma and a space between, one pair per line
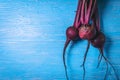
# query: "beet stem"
96, 18
65, 46
85, 55
86, 7
77, 14
93, 9
107, 61
82, 12
79, 21
90, 11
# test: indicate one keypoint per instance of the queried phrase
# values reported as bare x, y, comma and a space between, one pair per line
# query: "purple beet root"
99, 40
71, 33
87, 32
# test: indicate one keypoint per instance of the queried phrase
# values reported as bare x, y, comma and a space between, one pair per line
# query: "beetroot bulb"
87, 32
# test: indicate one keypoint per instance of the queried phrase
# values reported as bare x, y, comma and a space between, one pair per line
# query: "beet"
87, 32
99, 40
72, 33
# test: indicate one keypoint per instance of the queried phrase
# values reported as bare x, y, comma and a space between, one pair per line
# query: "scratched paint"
32, 35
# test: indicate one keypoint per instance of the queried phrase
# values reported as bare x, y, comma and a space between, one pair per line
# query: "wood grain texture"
32, 36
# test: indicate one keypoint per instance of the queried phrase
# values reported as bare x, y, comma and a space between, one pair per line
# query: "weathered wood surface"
32, 35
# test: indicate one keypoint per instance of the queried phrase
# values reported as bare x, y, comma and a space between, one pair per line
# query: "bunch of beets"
87, 27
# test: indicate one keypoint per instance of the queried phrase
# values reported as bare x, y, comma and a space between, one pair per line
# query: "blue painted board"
32, 36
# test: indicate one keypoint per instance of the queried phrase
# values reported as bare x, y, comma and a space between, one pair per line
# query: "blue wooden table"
32, 36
